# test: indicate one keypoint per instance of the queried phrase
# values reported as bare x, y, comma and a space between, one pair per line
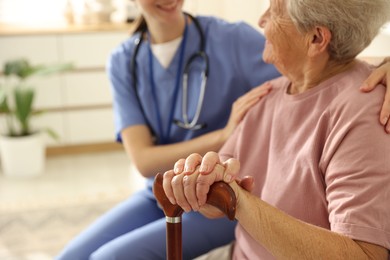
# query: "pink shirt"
320, 156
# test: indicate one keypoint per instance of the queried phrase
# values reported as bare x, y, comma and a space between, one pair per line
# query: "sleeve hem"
367, 234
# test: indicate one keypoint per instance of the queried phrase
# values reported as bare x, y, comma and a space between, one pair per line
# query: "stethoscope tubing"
193, 124
186, 123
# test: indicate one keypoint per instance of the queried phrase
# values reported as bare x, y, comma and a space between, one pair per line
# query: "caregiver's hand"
381, 76
241, 106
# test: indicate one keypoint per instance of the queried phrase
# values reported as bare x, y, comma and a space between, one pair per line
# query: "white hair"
352, 23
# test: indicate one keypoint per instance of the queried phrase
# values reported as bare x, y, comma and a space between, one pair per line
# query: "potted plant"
22, 150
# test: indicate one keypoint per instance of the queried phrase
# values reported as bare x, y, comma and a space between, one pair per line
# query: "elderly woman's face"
285, 46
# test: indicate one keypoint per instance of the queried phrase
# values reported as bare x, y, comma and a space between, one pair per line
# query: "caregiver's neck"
165, 32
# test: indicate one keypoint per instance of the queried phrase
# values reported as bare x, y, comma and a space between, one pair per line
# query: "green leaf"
20, 68
52, 134
52, 69
23, 107
37, 112
23, 69
4, 108
20, 109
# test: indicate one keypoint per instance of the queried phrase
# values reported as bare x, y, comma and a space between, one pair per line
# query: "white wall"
35, 11
231, 10
31, 11
380, 46
248, 10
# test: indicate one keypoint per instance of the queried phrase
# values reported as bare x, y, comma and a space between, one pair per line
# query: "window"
28, 11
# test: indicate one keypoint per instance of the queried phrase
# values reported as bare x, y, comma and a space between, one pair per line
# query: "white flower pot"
22, 156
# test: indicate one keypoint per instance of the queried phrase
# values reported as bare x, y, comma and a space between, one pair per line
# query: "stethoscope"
201, 54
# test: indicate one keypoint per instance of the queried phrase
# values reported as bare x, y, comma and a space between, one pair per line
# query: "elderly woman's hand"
381, 76
188, 184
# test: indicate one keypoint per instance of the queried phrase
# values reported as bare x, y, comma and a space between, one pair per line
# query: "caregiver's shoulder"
217, 27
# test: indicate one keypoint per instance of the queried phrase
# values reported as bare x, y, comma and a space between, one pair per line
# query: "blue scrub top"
236, 66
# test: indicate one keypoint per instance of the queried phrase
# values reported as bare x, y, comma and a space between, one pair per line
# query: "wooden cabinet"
78, 103
37, 48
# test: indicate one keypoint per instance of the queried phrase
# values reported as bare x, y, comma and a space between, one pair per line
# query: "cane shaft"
220, 195
174, 241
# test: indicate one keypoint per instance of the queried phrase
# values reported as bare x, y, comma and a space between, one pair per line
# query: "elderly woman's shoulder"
355, 77
348, 89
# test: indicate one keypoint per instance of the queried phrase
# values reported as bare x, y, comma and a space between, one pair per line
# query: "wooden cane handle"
221, 196
169, 209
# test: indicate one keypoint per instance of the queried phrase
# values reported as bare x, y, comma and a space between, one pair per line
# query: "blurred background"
83, 173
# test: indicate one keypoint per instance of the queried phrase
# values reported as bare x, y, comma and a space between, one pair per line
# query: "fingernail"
201, 202
228, 178
176, 170
203, 168
364, 86
196, 208
384, 120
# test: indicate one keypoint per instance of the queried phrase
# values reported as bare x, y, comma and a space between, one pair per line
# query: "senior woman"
319, 170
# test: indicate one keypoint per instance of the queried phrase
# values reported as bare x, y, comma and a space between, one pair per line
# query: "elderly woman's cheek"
268, 52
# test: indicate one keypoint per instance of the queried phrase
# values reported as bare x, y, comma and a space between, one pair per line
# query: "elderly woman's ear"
381, 76
319, 41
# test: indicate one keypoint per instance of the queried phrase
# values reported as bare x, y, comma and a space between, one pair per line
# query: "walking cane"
220, 195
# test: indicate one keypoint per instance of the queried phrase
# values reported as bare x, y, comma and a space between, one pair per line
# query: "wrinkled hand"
188, 184
381, 76
242, 105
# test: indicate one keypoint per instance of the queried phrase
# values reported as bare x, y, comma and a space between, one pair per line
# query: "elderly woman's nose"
263, 20
261, 23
